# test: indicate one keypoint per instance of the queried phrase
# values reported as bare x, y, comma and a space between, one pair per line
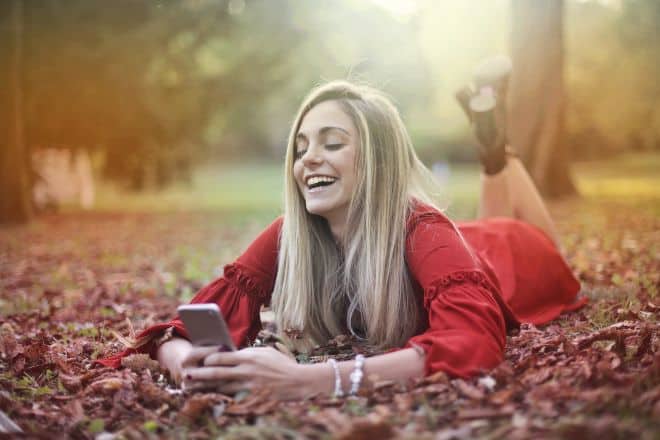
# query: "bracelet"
338, 391
356, 375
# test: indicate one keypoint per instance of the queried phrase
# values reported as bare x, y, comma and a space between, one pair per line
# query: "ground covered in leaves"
68, 281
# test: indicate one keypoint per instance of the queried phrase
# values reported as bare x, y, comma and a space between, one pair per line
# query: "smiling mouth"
319, 183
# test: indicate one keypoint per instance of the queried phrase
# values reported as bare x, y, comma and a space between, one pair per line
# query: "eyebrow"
323, 131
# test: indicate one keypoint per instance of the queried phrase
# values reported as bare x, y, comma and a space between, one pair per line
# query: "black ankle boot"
485, 106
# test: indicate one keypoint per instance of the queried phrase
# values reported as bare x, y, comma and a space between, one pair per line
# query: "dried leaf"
197, 405
72, 383
484, 413
367, 430
139, 362
256, 403
468, 390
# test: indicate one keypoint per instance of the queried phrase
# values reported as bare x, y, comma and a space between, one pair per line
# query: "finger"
223, 387
196, 355
226, 358
213, 373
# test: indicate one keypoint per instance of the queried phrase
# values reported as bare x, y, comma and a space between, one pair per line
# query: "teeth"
318, 179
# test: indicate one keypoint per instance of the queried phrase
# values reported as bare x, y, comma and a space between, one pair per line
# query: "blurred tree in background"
613, 55
139, 81
15, 204
536, 117
154, 87
157, 85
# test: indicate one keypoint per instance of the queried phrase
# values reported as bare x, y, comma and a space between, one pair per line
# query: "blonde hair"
323, 289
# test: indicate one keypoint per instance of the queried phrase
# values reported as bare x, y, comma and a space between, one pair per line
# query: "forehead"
326, 114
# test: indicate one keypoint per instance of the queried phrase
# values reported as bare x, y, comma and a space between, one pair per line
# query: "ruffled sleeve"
467, 318
244, 287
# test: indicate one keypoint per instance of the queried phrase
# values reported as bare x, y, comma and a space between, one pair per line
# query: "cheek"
297, 173
351, 171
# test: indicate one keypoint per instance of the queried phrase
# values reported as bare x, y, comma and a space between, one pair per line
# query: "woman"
362, 249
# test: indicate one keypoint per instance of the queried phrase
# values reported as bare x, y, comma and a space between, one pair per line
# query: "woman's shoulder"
276, 225
436, 249
261, 254
423, 213
431, 232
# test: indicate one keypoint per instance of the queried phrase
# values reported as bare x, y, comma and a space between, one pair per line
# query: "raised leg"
506, 187
495, 197
512, 193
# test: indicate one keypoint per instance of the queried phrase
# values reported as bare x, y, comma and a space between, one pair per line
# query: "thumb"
196, 355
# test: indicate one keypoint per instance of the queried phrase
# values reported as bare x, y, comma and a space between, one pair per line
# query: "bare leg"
507, 190
495, 200
512, 193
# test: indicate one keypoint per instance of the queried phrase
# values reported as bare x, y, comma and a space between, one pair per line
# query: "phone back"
205, 325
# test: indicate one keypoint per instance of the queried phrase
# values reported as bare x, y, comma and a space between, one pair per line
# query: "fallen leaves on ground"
69, 281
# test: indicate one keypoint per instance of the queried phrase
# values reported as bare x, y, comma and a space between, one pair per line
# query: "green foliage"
157, 85
107, 312
29, 388
355, 408
150, 426
96, 426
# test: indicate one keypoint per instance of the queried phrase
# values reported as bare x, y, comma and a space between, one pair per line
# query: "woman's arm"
400, 366
245, 285
264, 367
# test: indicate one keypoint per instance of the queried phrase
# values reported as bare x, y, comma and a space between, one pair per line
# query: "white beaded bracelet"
338, 390
356, 375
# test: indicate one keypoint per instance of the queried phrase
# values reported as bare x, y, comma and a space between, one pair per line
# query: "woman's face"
324, 167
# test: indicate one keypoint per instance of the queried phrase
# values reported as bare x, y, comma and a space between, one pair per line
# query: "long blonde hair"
323, 289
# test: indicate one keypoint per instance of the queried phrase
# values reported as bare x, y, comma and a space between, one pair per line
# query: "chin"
317, 208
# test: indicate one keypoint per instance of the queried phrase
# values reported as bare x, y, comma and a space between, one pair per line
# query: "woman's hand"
171, 356
248, 369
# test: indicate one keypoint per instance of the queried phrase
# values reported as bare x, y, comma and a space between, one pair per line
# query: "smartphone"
205, 325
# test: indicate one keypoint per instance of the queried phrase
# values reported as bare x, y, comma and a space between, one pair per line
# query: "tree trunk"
15, 205
536, 93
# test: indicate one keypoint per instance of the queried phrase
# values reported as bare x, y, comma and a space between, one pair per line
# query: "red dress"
478, 279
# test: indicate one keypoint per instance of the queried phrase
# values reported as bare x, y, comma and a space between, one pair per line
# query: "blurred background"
185, 104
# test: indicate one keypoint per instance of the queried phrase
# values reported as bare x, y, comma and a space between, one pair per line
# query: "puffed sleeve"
246, 284
467, 325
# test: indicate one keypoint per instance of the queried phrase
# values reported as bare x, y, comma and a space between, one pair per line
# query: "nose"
312, 156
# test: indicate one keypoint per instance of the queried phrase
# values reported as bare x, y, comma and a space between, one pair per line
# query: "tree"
15, 203
153, 88
142, 82
639, 31
537, 98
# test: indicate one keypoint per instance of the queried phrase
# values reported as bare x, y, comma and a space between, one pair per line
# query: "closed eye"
332, 147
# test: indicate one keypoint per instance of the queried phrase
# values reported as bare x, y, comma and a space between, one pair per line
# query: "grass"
242, 188
632, 178
253, 188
